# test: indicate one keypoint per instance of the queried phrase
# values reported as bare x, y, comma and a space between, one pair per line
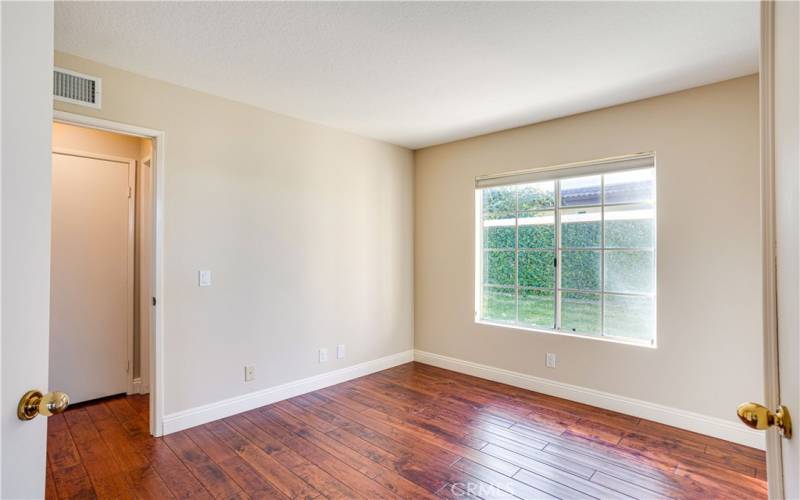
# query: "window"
570, 249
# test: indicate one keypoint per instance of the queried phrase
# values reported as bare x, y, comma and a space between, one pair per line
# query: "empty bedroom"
400, 249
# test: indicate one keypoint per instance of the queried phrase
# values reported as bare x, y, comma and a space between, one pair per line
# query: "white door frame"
129, 273
142, 384
156, 344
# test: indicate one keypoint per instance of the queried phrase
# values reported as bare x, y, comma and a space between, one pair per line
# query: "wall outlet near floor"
340, 351
323, 355
204, 278
249, 373
550, 360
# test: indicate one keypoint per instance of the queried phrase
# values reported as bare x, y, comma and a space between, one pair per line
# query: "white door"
780, 151
90, 288
786, 85
27, 83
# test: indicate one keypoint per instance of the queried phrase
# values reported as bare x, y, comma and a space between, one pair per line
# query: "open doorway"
103, 276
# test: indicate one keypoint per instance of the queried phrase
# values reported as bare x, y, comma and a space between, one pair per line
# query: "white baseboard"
703, 424
139, 387
175, 422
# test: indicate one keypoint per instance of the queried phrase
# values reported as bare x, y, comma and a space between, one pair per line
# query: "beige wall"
89, 140
709, 353
307, 230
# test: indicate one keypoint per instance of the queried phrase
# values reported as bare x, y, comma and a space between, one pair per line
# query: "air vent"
76, 88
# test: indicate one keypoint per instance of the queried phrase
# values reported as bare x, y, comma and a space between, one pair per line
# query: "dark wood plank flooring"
413, 431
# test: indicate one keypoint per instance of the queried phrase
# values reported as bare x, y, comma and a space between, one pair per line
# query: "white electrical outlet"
204, 278
249, 373
550, 360
323, 355
340, 352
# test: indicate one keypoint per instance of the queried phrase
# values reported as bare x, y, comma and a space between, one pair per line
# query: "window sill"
614, 340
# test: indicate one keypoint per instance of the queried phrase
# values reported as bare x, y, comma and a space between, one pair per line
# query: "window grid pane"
516, 255
603, 255
518, 221
581, 267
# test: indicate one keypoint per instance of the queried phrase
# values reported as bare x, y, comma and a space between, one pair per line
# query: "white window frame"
557, 173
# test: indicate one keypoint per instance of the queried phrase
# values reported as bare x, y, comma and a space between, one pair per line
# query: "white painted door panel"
787, 208
90, 308
26, 115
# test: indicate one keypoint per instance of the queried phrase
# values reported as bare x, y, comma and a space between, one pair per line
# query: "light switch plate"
204, 278
249, 373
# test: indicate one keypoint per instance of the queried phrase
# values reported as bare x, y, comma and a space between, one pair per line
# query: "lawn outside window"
570, 249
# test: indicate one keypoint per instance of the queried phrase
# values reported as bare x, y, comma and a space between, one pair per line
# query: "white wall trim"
139, 387
199, 415
703, 424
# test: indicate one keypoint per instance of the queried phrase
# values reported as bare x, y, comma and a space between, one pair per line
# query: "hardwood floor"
413, 431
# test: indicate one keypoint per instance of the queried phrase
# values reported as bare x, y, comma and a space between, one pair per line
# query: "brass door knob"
35, 403
761, 418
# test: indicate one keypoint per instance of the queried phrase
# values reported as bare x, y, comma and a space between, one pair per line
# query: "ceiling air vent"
76, 88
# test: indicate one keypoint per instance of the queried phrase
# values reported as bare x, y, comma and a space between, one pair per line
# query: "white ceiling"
418, 74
